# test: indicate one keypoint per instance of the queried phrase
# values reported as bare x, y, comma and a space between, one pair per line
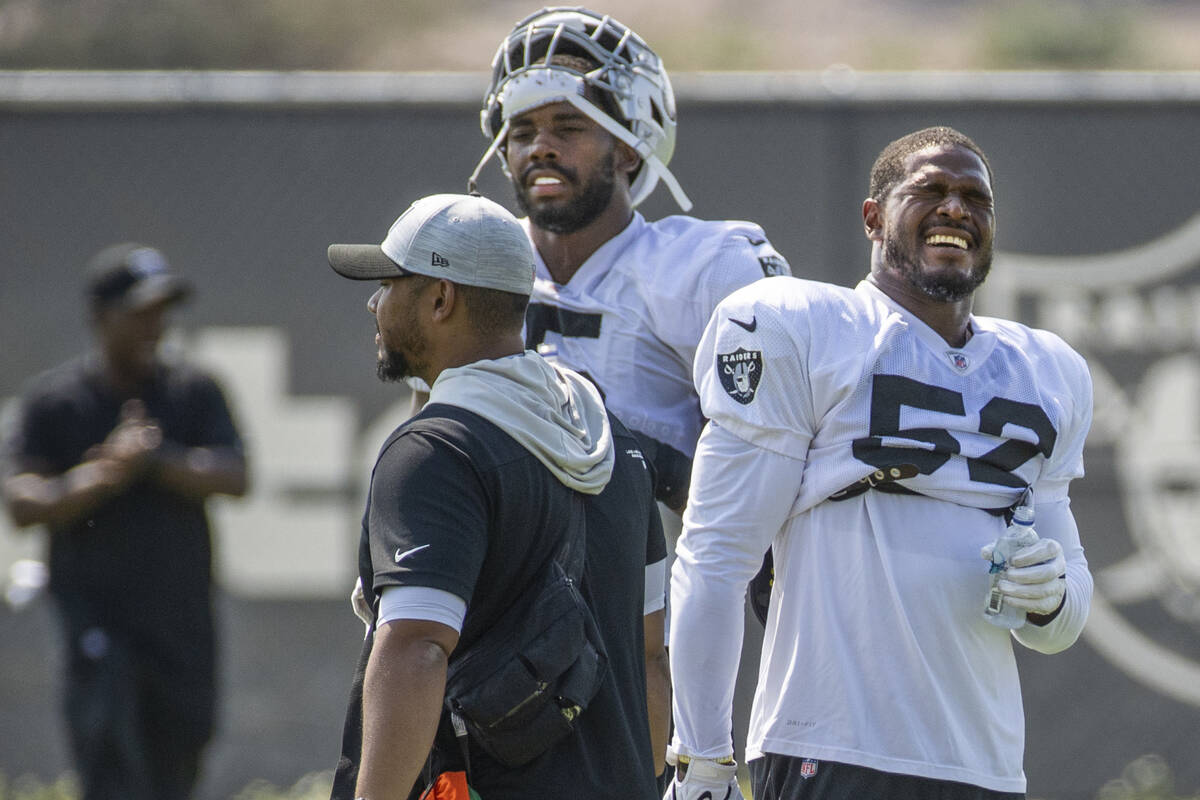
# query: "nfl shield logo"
958, 360
740, 373
808, 768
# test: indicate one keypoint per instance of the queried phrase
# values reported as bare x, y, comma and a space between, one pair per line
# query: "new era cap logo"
439, 260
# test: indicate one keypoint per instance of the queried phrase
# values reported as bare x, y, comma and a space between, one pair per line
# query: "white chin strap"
535, 88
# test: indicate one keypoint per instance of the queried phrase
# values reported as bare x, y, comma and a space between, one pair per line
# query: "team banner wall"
244, 179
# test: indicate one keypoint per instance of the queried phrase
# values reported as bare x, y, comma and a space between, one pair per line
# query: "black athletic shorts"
776, 777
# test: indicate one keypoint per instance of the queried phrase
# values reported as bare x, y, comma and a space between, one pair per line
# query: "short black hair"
492, 311
888, 169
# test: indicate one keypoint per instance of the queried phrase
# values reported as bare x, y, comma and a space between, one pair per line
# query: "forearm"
201, 471
58, 500
658, 691
402, 702
720, 550
704, 665
1055, 521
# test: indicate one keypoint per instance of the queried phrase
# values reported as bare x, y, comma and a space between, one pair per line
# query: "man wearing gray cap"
115, 453
512, 472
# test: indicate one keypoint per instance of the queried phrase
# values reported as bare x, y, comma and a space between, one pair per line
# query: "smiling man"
898, 430
581, 114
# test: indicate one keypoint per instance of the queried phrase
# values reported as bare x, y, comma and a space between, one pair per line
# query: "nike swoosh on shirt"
408, 553
749, 326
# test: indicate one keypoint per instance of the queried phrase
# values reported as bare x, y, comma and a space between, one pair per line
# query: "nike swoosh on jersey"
749, 326
408, 553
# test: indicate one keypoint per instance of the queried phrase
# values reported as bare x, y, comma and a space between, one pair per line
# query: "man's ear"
444, 298
872, 219
627, 160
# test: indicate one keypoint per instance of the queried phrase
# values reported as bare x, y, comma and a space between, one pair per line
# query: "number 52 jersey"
851, 382
876, 652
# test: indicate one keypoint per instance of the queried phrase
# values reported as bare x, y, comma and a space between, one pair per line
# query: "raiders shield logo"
740, 373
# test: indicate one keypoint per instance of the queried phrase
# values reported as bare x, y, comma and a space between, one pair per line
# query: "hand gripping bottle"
1018, 534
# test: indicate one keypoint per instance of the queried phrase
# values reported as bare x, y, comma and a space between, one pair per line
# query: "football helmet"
636, 92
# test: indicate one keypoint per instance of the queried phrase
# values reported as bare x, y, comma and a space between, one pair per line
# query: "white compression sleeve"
656, 587
421, 602
733, 513
1054, 520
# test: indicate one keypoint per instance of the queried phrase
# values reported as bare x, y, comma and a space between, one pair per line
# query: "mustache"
958, 226
565, 172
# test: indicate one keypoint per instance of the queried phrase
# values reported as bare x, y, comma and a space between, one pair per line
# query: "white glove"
702, 779
358, 601
1034, 579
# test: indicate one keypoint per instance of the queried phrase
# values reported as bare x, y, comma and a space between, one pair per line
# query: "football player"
896, 428
581, 114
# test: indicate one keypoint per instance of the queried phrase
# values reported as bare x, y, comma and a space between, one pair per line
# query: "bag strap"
570, 556
573, 549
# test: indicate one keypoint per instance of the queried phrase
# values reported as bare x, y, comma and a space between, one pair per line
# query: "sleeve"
420, 602
25, 430
1066, 463
656, 587
415, 536
733, 514
1054, 520
750, 371
214, 423
655, 596
15, 447
739, 257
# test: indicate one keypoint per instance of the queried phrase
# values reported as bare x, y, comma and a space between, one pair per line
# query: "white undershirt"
421, 602
656, 587
438, 605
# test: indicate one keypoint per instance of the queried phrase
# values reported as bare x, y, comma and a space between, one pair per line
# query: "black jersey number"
889, 393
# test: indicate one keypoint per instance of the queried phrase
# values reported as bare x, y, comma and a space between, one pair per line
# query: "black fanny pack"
519, 689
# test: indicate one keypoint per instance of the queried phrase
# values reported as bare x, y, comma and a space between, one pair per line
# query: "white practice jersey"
631, 316
876, 650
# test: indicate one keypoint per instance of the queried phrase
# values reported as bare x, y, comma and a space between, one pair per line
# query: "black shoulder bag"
519, 689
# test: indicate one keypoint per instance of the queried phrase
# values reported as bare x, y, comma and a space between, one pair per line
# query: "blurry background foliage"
315, 786
1145, 778
691, 35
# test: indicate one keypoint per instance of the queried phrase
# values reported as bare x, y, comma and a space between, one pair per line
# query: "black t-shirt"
457, 504
141, 562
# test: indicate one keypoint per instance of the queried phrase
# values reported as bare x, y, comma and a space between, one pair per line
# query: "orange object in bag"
451, 786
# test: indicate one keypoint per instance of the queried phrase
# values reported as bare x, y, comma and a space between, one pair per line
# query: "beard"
573, 215
395, 365
392, 366
947, 287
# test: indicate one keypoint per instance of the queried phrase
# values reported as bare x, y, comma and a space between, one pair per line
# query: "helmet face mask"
635, 100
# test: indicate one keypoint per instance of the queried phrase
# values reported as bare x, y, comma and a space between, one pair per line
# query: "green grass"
1148, 777
314, 786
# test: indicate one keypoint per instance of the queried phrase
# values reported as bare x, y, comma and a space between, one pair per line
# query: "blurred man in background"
115, 453
876, 438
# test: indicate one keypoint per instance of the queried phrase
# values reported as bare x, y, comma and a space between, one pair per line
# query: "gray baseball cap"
466, 239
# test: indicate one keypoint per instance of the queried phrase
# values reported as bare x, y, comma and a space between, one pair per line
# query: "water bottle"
1018, 534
